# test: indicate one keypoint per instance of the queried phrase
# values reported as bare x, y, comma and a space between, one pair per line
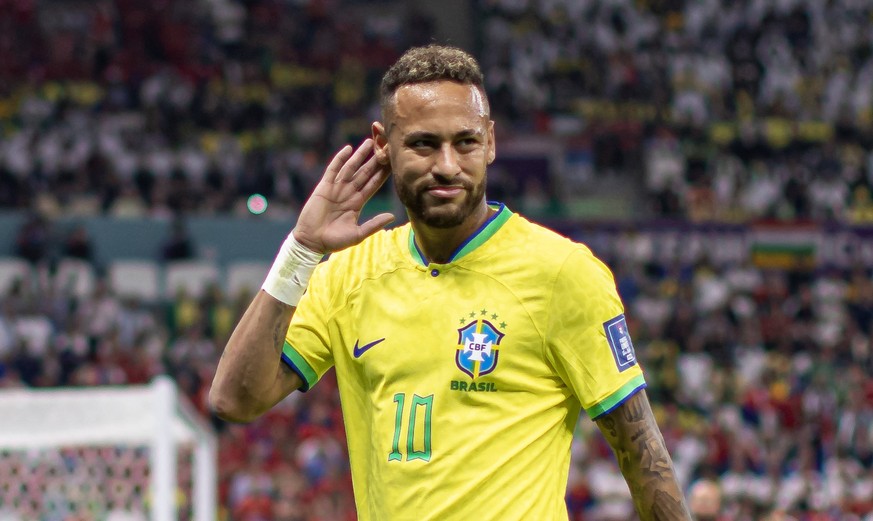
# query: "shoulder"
566, 269
548, 248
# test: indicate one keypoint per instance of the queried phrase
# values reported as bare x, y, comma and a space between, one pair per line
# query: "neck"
438, 244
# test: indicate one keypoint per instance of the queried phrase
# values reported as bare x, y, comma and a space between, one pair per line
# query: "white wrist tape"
289, 275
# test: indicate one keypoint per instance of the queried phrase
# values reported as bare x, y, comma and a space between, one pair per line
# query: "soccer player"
466, 343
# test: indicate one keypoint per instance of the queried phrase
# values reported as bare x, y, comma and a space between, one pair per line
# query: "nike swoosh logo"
358, 351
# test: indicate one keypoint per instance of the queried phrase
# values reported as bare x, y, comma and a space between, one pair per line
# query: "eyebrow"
422, 134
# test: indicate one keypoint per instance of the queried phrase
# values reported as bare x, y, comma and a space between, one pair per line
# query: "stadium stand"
705, 111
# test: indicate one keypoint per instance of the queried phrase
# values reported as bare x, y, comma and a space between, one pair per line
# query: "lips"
445, 192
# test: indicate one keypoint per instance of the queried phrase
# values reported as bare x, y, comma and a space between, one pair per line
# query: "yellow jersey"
461, 383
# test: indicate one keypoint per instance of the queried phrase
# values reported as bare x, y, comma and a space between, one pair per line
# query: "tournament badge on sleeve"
619, 341
478, 347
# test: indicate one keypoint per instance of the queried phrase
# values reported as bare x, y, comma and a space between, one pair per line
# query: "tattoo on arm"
644, 461
279, 331
279, 336
667, 507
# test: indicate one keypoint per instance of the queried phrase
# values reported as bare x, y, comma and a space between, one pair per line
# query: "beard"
442, 214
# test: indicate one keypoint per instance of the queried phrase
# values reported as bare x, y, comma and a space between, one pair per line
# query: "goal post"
131, 435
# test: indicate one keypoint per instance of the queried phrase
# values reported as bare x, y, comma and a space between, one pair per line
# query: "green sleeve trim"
291, 357
617, 398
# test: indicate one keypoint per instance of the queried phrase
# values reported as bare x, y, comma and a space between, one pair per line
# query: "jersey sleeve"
307, 341
587, 339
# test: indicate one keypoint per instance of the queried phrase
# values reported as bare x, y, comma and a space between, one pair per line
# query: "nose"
447, 164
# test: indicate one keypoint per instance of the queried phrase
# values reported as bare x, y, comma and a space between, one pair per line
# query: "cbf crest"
479, 344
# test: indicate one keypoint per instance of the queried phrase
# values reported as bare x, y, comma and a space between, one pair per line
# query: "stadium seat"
135, 279
75, 277
245, 276
36, 330
8, 515
12, 269
194, 277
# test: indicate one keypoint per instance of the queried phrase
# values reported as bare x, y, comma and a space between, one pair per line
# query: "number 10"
411, 453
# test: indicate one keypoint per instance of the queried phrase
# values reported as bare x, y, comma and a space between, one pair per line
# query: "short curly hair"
431, 63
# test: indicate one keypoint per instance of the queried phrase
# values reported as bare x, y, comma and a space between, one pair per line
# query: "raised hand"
328, 221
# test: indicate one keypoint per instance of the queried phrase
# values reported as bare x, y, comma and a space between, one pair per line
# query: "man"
704, 500
465, 342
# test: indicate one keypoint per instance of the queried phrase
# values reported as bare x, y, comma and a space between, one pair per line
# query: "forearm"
250, 377
644, 461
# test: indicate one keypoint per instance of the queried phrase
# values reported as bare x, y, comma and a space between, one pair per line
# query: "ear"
492, 145
380, 143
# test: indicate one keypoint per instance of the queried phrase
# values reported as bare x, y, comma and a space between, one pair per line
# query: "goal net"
130, 453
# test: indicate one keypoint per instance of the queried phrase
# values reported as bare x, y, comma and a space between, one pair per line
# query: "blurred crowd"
712, 109
763, 380
725, 110
169, 107
291, 465
717, 110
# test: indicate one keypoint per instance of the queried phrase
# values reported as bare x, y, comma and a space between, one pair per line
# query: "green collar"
476, 239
